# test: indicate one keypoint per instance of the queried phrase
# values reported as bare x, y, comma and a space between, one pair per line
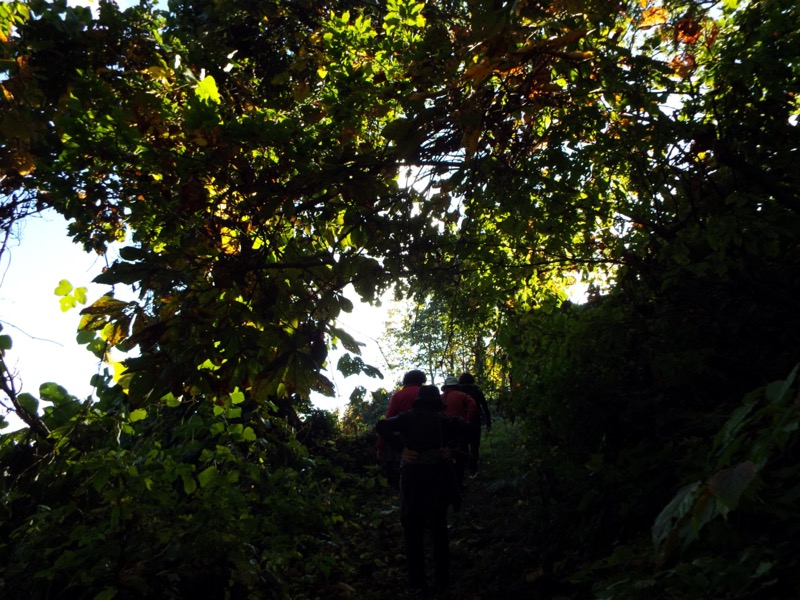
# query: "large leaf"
728, 485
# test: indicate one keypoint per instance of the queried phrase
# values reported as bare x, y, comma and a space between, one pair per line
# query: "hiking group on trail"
431, 438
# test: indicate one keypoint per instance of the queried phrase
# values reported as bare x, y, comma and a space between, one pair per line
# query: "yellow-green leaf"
189, 484
237, 397
64, 287
67, 302
207, 90
207, 476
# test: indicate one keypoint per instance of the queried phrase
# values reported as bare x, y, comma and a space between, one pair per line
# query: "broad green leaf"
237, 397
729, 484
171, 400
777, 390
678, 507
207, 91
67, 303
349, 343
85, 336
207, 476
80, 295
106, 594
28, 402
138, 415
132, 253
105, 305
100, 479
52, 392
189, 484
64, 287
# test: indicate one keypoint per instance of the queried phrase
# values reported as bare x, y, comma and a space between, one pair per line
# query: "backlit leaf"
64, 287
28, 402
207, 90
654, 16
138, 415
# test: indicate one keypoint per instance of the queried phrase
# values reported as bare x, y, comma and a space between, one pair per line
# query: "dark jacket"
423, 431
483, 406
428, 483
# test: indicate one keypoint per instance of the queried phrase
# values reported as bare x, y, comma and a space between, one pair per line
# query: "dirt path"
494, 553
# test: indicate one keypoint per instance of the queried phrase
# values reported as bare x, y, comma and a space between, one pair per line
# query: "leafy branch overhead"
254, 163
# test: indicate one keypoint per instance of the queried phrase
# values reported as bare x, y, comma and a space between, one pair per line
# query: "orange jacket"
461, 405
402, 400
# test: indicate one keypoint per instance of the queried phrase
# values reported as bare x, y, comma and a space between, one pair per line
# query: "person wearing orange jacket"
424, 437
462, 406
401, 401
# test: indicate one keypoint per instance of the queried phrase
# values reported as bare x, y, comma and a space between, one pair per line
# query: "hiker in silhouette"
400, 402
462, 406
424, 436
467, 385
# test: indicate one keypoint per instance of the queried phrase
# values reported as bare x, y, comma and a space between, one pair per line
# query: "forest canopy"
253, 159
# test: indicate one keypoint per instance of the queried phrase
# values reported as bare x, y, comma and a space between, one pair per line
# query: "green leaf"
64, 287
52, 392
729, 484
138, 415
673, 512
237, 397
106, 594
85, 336
248, 434
80, 295
171, 400
5, 343
100, 479
131, 253
206, 90
777, 390
28, 402
189, 484
67, 303
349, 343
208, 475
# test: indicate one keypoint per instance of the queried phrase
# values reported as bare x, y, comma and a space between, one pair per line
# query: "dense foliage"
254, 159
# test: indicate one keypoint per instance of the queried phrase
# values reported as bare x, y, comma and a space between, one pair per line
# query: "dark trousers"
460, 463
474, 447
424, 496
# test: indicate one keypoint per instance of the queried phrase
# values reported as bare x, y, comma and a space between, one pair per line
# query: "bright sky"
45, 349
44, 337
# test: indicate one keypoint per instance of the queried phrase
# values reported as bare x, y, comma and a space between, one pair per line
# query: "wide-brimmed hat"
428, 397
450, 382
